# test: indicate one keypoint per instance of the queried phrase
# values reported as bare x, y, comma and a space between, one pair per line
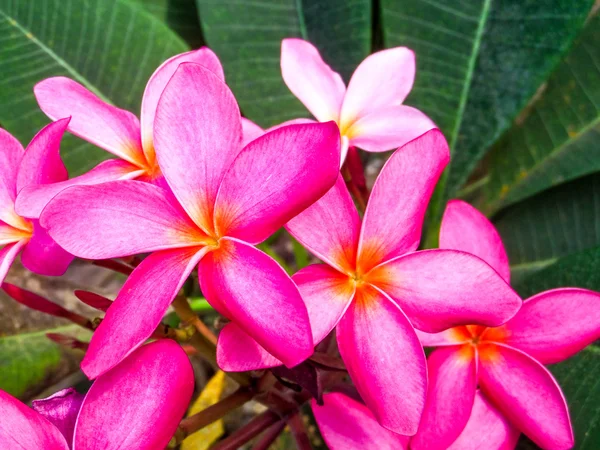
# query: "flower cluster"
196, 186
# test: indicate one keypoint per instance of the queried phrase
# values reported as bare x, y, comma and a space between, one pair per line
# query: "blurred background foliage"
513, 84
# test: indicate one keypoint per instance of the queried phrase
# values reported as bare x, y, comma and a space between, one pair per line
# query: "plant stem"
299, 432
269, 436
113, 265
248, 431
187, 315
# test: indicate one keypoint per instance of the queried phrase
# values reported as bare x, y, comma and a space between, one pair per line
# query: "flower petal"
115, 130
394, 215
486, 428
34, 198
23, 428
276, 177
61, 409
384, 359
156, 85
388, 128
466, 229
450, 395
238, 352
251, 289
311, 79
8, 255
250, 131
151, 391
43, 255
440, 289
11, 154
451, 336
383, 79
554, 325
197, 135
527, 394
139, 307
118, 218
330, 228
347, 424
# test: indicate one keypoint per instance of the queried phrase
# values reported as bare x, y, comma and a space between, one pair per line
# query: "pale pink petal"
10, 235
139, 307
527, 394
32, 199
347, 424
382, 80
118, 218
250, 131
451, 336
450, 395
113, 129
8, 255
388, 128
394, 215
61, 409
385, 360
311, 79
156, 85
21, 428
439, 289
138, 404
11, 154
43, 255
466, 229
197, 135
554, 325
252, 290
330, 228
486, 428
276, 177
238, 352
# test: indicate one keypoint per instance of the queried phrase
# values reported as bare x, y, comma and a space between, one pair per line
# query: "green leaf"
478, 64
110, 46
553, 224
30, 358
559, 139
247, 34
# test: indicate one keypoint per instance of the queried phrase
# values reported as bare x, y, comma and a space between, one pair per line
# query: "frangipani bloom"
370, 112
110, 128
376, 287
224, 200
137, 405
39, 164
506, 361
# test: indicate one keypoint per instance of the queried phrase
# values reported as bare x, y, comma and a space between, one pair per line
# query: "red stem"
299, 432
269, 436
248, 431
113, 265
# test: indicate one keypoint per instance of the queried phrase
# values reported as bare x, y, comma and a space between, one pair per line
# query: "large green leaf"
553, 224
110, 46
560, 137
180, 15
478, 64
247, 37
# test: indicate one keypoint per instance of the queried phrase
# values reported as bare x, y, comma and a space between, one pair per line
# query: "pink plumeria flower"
110, 128
347, 424
224, 200
39, 164
370, 112
506, 362
137, 405
375, 287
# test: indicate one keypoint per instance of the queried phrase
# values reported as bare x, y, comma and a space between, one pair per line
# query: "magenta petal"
139, 307
276, 177
394, 215
43, 255
554, 325
7, 255
527, 394
486, 428
138, 404
238, 352
250, 131
118, 218
450, 395
439, 289
11, 154
23, 428
33, 198
466, 229
441, 339
61, 409
347, 424
197, 135
385, 360
251, 289
330, 228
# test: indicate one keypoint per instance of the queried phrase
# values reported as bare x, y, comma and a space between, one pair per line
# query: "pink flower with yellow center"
221, 200
375, 287
506, 362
